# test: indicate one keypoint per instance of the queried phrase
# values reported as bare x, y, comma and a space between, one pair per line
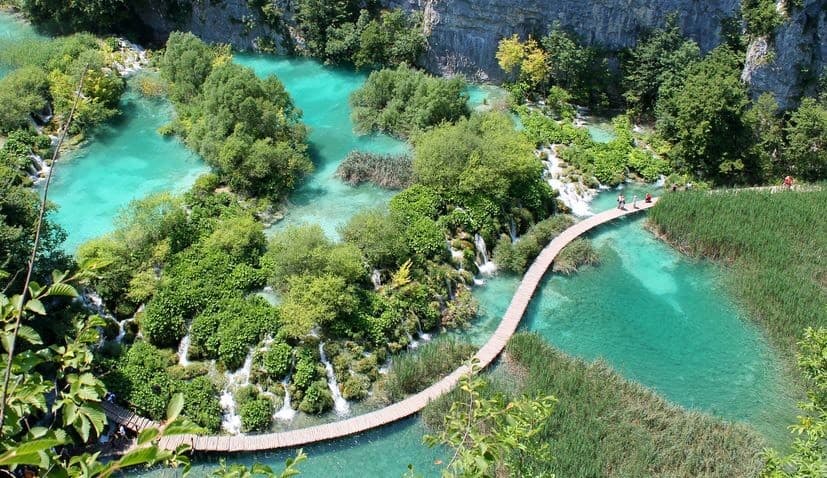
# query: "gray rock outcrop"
790, 63
464, 33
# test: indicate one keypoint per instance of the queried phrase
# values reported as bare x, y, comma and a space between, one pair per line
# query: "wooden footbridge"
411, 405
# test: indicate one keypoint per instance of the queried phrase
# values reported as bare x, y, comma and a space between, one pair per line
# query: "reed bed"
606, 426
774, 243
389, 171
415, 371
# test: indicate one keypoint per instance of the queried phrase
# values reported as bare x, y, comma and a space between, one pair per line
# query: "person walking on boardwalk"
620, 201
648, 198
634, 201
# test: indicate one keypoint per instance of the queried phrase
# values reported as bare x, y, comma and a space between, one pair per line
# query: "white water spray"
340, 405
484, 264
183, 350
231, 420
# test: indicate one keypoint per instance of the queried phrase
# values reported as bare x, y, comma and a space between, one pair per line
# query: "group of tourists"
621, 200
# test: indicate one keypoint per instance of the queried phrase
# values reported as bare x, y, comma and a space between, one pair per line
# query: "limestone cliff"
790, 62
465, 33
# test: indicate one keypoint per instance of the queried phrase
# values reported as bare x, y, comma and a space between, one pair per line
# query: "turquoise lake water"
124, 160
322, 94
652, 314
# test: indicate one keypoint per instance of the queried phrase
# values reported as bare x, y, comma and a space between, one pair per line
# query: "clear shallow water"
322, 94
380, 453
125, 159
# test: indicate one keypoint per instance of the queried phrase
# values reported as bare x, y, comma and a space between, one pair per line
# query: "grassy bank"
774, 244
604, 425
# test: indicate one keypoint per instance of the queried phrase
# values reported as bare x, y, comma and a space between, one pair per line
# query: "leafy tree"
705, 121
760, 16
807, 457
376, 234
76, 15
492, 437
660, 59
247, 128
317, 17
806, 152
317, 301
402, 101
256, 415
766, 127
22, 92
578, 69
185, 65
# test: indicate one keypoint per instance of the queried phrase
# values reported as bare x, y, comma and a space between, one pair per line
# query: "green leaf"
29, 335
140, 456
147, 435
36, 306
176, 404
62, 290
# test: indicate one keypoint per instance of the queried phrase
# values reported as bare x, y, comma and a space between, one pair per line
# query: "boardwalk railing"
415, 403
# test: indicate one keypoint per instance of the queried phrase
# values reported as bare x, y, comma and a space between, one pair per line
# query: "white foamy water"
575, 196
340, 405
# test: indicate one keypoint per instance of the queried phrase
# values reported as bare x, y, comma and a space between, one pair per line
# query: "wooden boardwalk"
127, 418
413, 404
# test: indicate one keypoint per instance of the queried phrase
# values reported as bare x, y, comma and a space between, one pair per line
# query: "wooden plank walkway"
130, 420
415, 403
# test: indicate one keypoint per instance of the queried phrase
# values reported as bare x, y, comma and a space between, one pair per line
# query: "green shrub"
577, 253
277, 360
256, 415
201, 403
317, 398
402, 101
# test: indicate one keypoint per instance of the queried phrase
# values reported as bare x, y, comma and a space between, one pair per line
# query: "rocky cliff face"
789, 64
465, 33
214, 21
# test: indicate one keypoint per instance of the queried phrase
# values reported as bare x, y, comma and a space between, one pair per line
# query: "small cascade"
422, 335
484, 264
574, 195
122, 330
512, 230
340, 405
661, 182
376, 278
286, 412
412, 343
183, 350
231, 420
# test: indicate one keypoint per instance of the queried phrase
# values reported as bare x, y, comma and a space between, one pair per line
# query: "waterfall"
122, 330
183, 350
574, 195
422, 335
339, 403
412, 343
231, 420
40, 166
376, 278
512, 230
660, 182
286, 412
484, 265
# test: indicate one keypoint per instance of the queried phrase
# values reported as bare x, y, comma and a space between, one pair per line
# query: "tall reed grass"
605, 426
415, 371
774, 243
